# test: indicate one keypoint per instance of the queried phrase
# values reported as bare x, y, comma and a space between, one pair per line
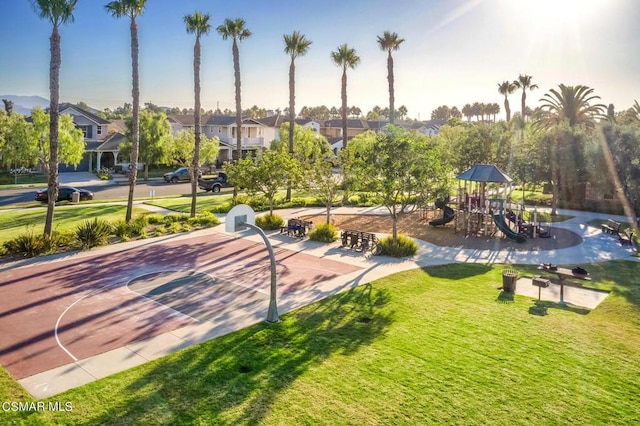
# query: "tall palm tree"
235, 29
296, 44
571, 104
467, 111
506, 88
199, 25
636, 110
131, 9
345, 58
389, 42
524, 82
57, 12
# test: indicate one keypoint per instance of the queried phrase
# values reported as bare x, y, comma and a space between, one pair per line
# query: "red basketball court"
57, 312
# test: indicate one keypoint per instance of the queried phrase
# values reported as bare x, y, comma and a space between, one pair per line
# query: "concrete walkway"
596, 247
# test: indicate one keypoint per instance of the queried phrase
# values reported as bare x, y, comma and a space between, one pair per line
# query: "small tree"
182, 148
153, 142
70, 139
266, 174
398, 166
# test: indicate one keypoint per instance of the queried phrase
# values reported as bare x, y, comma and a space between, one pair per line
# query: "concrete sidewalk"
596, 247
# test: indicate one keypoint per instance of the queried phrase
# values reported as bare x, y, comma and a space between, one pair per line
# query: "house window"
86, 131
99, 132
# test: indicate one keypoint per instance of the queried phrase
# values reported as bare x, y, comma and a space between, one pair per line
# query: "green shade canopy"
484, 173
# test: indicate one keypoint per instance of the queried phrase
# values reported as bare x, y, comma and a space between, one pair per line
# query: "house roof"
119, 125
98, 120
112, 143
351, 124
485, 173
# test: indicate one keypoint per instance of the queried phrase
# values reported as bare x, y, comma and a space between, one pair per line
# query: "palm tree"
131, 9
235, 29
389, 42
636, 110
506, 88
467, 111
296, 45
524, 82
58, 12
199, 25
571, 104
345, 58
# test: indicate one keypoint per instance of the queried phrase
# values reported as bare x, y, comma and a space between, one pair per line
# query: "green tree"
131, 9
636, 111
181, 149
235, 29
296, 44
57, 12
265, 174
197, 24
18, 148
398, 166
389, 42
71, 143
506, 88
345, 58
153, 142
524, 82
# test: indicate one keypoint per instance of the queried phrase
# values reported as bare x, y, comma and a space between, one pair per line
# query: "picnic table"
563, 275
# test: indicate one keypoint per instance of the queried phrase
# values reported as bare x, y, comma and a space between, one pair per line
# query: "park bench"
611, 227
360, 241
296, 227
626, 238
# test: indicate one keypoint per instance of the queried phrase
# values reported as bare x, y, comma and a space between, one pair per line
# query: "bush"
204, 220
104, 174
121, 229
174, 228
143, 234
155, 219
29, 245
160, 230
186, 227
404, 246
137, 225
269, 222
324, 233
93, 233
174, 218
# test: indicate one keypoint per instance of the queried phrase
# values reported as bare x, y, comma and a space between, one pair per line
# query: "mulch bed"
417, 226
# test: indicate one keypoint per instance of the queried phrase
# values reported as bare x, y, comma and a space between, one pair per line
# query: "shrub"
104, 173
174, 218
404, 246
186, 227
137, 225
92, 233
155, 219
324, 233
269, 222
143, 234
205, 220
121, 229
174, 228
28, 245
160, 230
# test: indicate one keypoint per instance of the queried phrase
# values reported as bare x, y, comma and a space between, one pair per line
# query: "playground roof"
484, 173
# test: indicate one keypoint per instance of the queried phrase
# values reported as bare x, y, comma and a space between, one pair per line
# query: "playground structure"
448, 214
478, 214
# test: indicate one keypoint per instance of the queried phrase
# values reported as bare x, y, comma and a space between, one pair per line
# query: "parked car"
214, 184
180, 174
65, 193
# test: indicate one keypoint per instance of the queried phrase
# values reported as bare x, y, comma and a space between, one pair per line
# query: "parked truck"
214, 184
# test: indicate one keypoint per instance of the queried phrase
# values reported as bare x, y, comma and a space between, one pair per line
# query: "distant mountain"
24, 104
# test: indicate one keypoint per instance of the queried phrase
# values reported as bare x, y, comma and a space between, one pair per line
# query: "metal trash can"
75, 197
509, 279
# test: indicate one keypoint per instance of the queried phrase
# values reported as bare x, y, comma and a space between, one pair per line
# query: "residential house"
429, 127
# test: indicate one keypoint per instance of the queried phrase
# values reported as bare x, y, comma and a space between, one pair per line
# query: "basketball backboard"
238, 216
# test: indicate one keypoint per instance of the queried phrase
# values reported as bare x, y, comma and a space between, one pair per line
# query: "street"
110, 191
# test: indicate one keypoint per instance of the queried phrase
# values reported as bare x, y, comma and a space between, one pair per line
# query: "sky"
455, 52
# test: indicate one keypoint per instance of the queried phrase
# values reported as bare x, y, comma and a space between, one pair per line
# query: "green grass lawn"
16, 222
440, 345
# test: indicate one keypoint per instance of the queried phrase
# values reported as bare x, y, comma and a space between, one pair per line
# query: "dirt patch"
417, 225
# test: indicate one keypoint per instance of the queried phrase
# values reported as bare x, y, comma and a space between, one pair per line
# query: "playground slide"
502, 226
448, 216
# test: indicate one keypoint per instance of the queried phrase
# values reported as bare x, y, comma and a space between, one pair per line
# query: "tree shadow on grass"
541, 308
456, 271
505, 297
234, 379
